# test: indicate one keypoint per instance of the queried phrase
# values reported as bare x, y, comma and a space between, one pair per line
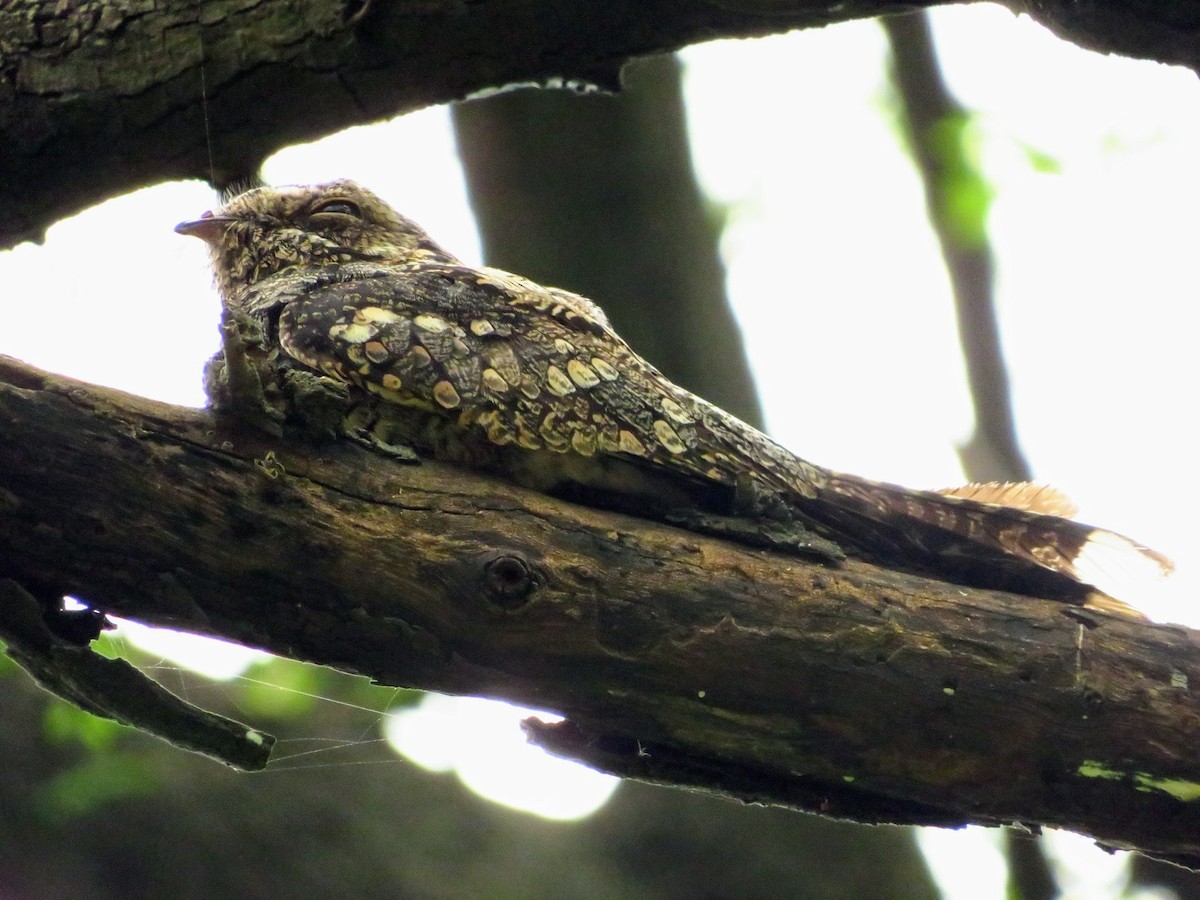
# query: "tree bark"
857, 692
97, 98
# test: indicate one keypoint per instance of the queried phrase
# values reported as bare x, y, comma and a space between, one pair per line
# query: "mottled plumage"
488, 369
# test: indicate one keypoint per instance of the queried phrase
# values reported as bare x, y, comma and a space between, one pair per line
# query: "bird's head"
272, 229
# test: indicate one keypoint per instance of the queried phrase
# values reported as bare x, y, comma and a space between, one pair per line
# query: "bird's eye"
338, 207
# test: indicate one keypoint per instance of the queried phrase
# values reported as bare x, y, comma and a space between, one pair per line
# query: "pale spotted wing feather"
524, 366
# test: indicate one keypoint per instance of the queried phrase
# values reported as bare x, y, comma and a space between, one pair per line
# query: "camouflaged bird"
490, 370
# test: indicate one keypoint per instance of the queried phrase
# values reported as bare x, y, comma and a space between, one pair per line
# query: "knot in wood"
509, 581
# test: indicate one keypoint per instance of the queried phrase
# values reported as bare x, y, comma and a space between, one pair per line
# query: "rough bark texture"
856, 692
97, 98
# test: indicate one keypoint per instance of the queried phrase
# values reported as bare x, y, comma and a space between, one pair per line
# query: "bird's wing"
528, 366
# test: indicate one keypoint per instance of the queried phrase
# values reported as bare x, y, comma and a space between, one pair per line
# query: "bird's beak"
208, 228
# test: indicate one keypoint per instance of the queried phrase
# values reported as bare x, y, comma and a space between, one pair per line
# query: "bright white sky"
1097, 286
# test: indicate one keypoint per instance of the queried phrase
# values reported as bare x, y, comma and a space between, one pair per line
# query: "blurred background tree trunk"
598, 195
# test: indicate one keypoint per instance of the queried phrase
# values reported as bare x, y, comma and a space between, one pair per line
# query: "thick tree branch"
857, 692
101, 97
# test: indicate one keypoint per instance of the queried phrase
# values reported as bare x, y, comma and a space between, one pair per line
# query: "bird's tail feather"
1013, 536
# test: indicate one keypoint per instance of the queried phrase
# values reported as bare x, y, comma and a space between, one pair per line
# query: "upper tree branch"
857, 692
100, 97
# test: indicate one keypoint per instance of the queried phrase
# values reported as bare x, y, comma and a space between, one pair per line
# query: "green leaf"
1040, 160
